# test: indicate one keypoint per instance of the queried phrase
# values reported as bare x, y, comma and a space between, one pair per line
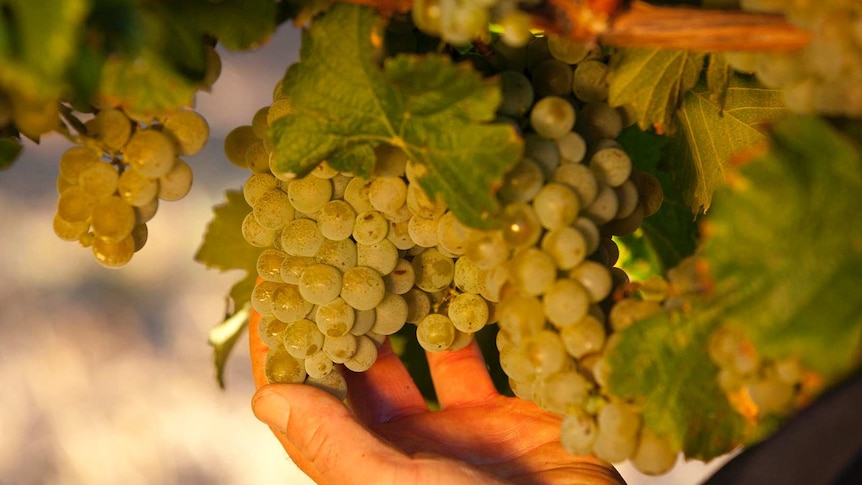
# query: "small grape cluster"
110, 185
826, 77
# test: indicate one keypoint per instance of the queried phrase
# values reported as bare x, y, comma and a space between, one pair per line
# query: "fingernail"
272, 408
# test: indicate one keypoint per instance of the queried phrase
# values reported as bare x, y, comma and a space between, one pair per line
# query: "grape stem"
643, 25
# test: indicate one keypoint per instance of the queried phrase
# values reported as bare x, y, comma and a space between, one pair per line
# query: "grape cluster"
110, 185
826, 77
350, 260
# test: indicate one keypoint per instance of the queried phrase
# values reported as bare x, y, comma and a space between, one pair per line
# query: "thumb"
333, 445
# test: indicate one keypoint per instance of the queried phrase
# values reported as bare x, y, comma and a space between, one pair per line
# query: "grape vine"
437, 169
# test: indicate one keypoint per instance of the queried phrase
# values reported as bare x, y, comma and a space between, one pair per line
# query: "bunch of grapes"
350, 260
826, 77
110, 185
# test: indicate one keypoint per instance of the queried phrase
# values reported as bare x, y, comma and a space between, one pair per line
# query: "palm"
505, 437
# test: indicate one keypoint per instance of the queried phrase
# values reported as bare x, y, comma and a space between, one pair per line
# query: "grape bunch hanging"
110, 184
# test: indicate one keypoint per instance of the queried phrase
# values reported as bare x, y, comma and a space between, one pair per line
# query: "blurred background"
106, 376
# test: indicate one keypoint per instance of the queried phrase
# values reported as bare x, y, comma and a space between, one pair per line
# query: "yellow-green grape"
150, 152
427, 16
332, 383
74, 161
74, 205
283, 368
213, 67
111, 128
36, 117
280, 108
145, 213
113, 254
140, 234
568, 50
136, 189
435, 332
259, 123
175, 184
189, 131
69, 231
113, 219
237, 143
98, 180
257, 157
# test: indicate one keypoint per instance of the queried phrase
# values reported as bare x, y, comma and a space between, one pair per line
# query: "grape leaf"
436, 111
717, 78
712, 134
672, 231
10, 148
788, 235
652, 82
783, 249
224, 248
145, 85
220, 19
42, 42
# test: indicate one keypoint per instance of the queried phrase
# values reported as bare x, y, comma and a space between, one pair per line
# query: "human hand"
478, 436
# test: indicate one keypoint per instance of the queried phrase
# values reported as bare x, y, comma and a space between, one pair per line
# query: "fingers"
333, 445
385, 391
461, 377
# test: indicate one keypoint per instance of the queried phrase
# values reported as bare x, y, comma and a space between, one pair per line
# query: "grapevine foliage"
436, 112
761, 229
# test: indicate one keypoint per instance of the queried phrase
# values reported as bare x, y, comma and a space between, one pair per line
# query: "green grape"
435, 332
365, 356
336, 220
653, 456
356, 194
589, 82
370, 227
260, 122
552, 117
599, 121
237, 143
433, 270
578, 432
595, 278
552, 77
257, 159
650, 192
113, 219
145, 213
423, 206
562, 391
335, 318
113, 254
382, 256
272, 209
257, 185
332, 383
401, 278
418, 305
399, 235
111, 128
362, 288
283, 368
188, 129
136, 189
302, 339
566, 302
318, 365
543, 152
271, 331
522, 182
452, 235
579, 178
427, 16
177, 183
533, 271
521, 316
467, 275
556, 206
487, 249
423, 231
341, 348
590, 232
269, 263
545, 352
363, 322
605, 206
627, 312
627, 196
301, 237
618, 431
151, 153
340, 254
517, 94
583, 337
611, 165
468, 312
140, 234
522, 227
288, 304
74, 205
516, 28
320, 283
572, 147
570, 51
255, 234
309, 194
387, 194
69, 231
74, 161
213, 68
566, 246
391, 314
98, 180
